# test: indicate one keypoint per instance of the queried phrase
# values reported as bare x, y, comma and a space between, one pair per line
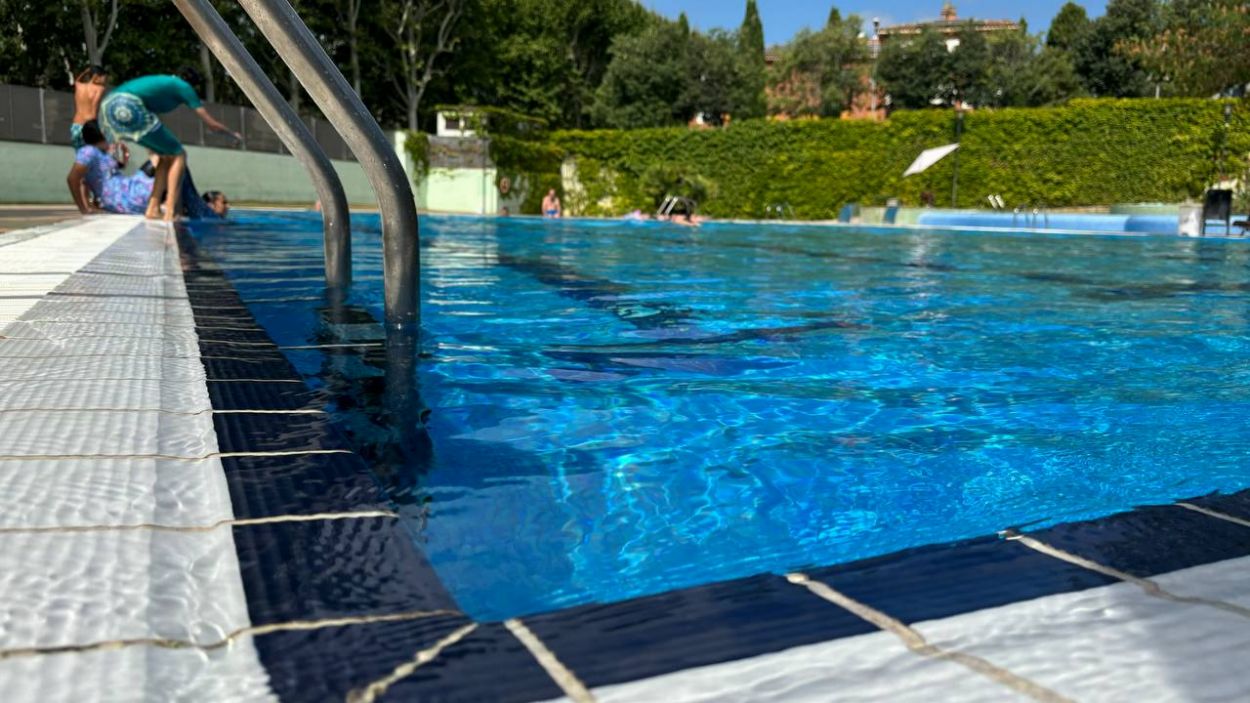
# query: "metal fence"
44, 117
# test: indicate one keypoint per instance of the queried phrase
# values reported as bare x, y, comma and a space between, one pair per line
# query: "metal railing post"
299, 49
291, 130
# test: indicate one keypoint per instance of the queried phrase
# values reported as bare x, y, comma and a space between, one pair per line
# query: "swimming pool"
618, 410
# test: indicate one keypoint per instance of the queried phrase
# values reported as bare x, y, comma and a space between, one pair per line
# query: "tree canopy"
614, 63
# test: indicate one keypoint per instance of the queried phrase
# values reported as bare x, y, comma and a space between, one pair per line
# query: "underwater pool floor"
180, 520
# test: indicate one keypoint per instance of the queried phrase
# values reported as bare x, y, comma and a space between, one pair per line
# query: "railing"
290, 131
282, 27
42, 116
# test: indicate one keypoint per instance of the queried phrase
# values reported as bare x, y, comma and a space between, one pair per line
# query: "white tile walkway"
108, 366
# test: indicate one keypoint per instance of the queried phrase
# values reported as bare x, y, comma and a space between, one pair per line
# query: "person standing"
551, 205
89, 89
131, 112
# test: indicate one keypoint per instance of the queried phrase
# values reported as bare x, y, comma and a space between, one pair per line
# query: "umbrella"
929, 157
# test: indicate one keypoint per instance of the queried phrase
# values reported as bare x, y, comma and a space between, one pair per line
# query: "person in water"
551, 205
131, 112
217, 202
96, 173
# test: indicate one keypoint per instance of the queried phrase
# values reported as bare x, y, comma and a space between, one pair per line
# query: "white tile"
1116, 643
83, 587
875, 667
139, 675
73, 493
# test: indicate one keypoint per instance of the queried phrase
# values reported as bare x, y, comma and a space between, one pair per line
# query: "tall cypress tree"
752, 34
835, 18
755, 68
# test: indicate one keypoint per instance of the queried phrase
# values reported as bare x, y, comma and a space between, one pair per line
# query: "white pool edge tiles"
114, 591
32, 268
1111, 643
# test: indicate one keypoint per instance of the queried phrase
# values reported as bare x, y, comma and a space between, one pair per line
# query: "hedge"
1090, 152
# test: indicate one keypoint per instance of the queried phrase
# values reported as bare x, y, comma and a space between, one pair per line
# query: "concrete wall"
35, 173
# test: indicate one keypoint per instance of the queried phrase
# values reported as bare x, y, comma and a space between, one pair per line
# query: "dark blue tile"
275, 433
226, 364
241, 395
335, 568
1152, 540
328, 664
942, 581
607, 644
488, 665
1236, 505
301, 485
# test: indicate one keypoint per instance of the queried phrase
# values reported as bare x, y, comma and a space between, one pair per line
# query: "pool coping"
600, 645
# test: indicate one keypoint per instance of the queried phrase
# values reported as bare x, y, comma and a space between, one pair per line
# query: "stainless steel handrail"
295, 135
401, 251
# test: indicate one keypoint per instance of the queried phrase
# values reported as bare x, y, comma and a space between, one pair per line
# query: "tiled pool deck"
180, 521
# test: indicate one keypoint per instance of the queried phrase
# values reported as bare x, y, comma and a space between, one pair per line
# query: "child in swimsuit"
98, 173
89, 89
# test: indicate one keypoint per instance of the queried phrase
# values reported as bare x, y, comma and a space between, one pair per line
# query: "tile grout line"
1215, 514
231, 522
1151, 587
251, 630
917, 643
180, 413
559, 673
171, 457
370, 693
152, 380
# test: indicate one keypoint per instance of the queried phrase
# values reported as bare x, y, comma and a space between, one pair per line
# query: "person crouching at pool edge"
131, 112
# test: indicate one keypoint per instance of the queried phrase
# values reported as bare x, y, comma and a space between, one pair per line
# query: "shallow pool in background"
618, 410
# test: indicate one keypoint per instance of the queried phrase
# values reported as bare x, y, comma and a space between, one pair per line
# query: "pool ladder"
1030, 216
295, 44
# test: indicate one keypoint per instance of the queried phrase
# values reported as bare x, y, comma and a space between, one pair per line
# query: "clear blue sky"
782, 18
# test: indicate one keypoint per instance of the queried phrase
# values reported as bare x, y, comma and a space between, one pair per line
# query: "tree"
719, 80
1105, 69
349, 15
423, 30
819, 73
914, 72
95, 20
754, 63
1203, 49
1069, 28
646, 82
1026, 73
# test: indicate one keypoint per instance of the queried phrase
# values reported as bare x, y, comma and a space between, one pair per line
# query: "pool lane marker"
561, 674
231, 522
370, 693
1151, 587
250, 631
1215, 514
917, 643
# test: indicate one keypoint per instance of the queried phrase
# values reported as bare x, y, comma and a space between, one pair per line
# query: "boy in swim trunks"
131, 112
89, 88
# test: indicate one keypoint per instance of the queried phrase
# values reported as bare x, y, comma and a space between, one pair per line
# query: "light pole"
876, 56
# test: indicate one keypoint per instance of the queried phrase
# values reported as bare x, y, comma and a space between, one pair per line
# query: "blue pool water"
618, 410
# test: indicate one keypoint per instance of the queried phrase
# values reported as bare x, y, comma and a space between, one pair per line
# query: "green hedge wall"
1090, 152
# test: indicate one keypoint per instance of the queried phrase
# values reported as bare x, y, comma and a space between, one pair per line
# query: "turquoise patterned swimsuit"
117, 192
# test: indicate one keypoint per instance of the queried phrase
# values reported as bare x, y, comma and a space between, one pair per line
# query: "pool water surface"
618, 409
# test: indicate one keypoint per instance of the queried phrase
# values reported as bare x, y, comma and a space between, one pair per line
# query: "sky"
782, 18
